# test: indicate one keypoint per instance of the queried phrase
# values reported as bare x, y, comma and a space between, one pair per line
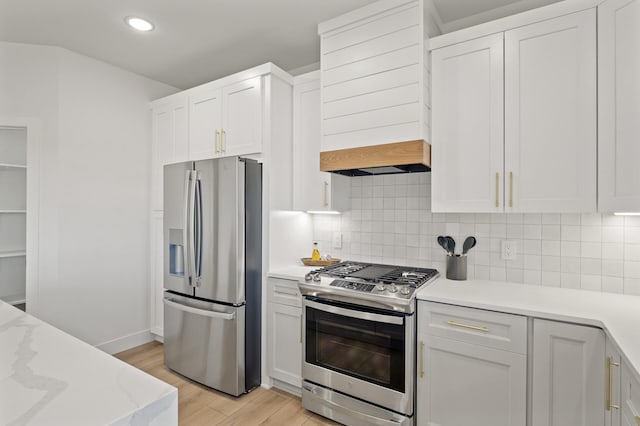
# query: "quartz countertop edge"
295, 272
618, 315
50, 377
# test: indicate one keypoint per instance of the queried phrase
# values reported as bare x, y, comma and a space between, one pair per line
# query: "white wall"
391, 222
92, 272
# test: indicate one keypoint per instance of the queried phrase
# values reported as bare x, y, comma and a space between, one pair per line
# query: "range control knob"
380, 287
316, 278
392, 288
405, 290
308, 277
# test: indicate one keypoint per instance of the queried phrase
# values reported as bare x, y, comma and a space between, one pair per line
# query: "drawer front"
487, 328
284, 291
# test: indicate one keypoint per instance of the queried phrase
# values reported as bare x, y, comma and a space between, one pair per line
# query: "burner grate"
413, 277
342, 269
376, 273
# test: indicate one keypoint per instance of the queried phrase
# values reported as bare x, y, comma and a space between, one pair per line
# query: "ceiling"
196, 41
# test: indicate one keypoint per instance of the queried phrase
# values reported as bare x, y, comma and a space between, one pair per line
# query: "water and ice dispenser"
176, 252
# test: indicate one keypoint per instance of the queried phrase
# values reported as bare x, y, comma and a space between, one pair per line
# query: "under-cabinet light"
322, 212
627, 213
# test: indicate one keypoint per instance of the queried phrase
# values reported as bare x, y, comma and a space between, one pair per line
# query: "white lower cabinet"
630, 397
568, 376
284, 332
612, 402
488, 368
463, 378
465, 383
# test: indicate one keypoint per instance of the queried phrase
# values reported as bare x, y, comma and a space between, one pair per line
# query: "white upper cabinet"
568, 380
468, 139
205, 122
373, 76
170, 141
524, 141
242, 118
550, 115
312, 189
619, 105
225, 121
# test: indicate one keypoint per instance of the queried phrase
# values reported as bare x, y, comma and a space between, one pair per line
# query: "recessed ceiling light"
138, 23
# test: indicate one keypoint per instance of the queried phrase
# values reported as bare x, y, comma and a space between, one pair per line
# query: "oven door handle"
368, 316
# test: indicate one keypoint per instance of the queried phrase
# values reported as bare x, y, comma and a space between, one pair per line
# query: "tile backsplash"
390, 221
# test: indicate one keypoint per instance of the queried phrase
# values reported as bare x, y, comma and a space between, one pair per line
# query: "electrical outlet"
509, 250
337, 240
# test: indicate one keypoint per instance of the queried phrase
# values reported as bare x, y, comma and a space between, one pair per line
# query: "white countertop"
618, 315
48, 377
295, 272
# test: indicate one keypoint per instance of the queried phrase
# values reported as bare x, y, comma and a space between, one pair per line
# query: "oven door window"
368, 350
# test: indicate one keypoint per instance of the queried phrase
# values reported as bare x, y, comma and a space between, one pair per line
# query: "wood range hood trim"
408, 156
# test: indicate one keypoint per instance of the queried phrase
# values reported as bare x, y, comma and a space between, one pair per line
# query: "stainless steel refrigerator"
213, 272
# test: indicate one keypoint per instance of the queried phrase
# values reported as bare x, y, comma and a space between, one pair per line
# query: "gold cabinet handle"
511, 189
325, 198
223, 138
638, 420
497, 189
217, 141
421, 359
472, 327
608, 404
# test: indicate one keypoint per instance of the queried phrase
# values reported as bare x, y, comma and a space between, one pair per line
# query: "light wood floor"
199, 405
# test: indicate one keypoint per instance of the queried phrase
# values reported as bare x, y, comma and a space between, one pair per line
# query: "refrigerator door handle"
196, 311
191, 247
198, 228
187, 223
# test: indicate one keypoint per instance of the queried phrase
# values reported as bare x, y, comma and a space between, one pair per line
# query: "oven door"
361, 352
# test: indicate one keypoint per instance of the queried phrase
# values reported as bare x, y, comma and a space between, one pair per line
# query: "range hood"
399, 157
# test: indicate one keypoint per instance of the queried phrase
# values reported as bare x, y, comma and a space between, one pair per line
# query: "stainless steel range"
358, 365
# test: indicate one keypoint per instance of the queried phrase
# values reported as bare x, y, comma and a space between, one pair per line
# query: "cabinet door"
619, 105
467, 144
169, 142
550, 115
630, 398
313, 189
156, 274
285, 343
205, 115
242, 118
568, 377
612, 385
461, 383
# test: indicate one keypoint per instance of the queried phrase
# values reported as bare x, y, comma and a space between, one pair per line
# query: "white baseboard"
294, 390
126, 342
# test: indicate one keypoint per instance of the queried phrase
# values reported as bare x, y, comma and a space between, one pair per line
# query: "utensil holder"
457, 267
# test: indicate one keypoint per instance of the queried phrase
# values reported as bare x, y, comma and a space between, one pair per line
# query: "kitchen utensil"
451, 244
443, 243
469, 243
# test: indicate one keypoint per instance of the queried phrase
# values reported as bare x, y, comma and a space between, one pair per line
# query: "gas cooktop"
368, 284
